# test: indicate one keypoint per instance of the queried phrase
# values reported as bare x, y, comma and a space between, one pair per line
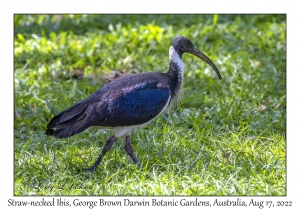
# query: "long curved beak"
202, 56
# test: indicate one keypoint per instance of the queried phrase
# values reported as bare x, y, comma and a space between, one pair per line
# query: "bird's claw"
90, 169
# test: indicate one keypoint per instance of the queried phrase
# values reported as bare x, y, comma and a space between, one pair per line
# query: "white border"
154, 6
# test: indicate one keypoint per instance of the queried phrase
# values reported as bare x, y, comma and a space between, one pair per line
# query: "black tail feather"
67, 114
49, 132
71, 121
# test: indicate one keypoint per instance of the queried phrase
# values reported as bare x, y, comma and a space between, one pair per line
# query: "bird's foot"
90, 169
139, 165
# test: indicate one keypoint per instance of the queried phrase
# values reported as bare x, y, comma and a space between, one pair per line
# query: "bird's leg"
130, 151
107, 147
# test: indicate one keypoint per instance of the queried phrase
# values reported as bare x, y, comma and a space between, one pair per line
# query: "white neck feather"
173, 55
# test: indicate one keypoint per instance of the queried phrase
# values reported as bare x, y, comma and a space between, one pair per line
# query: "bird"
128, 102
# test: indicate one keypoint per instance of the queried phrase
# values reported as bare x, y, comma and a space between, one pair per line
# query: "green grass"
225, 138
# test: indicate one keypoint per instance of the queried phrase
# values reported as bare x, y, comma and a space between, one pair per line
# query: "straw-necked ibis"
128, 102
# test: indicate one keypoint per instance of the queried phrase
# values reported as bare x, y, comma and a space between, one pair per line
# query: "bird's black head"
182, 44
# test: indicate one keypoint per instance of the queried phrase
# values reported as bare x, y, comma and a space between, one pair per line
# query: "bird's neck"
176, 67
176, 74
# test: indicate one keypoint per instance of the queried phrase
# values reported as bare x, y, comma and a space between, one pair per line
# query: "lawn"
226, 137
